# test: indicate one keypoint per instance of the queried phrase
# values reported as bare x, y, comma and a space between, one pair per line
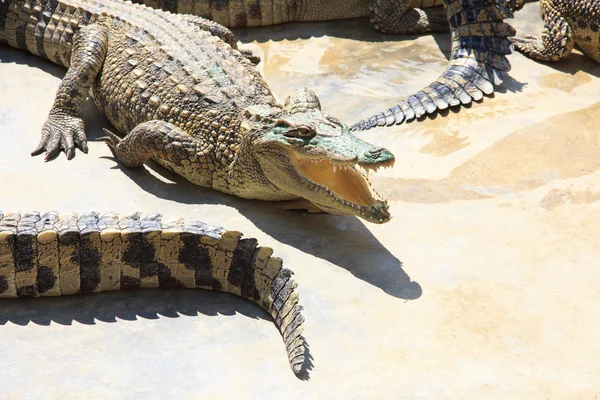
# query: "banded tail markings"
111, 251
90, 255
131, 236
52, 254
68, 254
25, 256
48, 274
170, 249
151, 231
8, 237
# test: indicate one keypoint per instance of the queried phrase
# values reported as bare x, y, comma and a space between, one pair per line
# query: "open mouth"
348, 187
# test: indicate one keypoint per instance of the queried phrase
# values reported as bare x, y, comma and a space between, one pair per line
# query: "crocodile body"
566, 23
478, 59
188, 99
53, 255
397, 16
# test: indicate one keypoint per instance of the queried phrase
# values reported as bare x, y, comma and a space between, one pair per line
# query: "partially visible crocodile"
193, 103
566, 23
480, 39
479, 47
389, 16
53, 255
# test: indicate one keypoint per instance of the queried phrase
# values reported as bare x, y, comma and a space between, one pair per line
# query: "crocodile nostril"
374, 152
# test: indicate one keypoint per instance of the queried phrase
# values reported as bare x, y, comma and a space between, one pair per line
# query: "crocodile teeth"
334, 168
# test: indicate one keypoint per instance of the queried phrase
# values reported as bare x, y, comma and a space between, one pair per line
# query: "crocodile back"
158, 65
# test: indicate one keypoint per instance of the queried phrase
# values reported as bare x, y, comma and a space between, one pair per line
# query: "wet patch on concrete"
562, 197
564, 82
564, 146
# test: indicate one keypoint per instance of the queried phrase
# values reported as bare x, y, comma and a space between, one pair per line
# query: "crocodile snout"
377, 155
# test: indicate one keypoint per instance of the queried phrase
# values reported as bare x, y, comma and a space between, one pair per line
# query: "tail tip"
297, 364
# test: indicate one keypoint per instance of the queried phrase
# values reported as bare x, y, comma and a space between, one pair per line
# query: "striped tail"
479, 49
52, 255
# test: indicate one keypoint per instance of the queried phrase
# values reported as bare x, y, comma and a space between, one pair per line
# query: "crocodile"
395, 16
54, 254
566, 23
185, 97
478, 59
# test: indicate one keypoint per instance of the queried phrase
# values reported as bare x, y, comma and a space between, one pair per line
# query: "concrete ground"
484, 285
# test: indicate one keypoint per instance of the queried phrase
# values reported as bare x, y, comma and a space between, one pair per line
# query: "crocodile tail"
52, 255
479, 48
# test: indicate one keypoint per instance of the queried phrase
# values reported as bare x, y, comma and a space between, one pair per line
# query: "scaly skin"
408, 17
242, 13
478, 59
389, 16
53, 255
193, 103
566, 23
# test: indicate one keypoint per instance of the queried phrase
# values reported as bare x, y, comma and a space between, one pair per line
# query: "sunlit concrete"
485, 284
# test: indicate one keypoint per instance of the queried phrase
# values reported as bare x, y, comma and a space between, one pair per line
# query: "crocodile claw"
61, 132
110, 139
250, 56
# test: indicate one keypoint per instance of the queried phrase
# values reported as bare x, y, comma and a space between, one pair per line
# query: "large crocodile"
53, 255
566, 23
193, 103
478, 59
390, 16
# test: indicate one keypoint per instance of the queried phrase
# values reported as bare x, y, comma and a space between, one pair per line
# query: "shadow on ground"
359, 29
111, 307
10, 55
343, 241
575, 63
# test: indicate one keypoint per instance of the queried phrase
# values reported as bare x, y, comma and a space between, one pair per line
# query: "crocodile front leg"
400, 18
556, 41
166, 144
64, 127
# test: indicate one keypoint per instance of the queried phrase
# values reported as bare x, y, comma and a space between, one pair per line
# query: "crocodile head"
304, 153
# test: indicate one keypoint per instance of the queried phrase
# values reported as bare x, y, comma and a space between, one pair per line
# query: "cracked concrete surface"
483, 285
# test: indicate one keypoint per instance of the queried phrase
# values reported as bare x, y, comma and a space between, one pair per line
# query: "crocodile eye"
301, 132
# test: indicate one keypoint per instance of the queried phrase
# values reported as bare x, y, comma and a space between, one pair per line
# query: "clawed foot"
250, 56
61, 132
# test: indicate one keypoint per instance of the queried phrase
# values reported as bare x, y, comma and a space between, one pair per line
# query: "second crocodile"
389, 16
